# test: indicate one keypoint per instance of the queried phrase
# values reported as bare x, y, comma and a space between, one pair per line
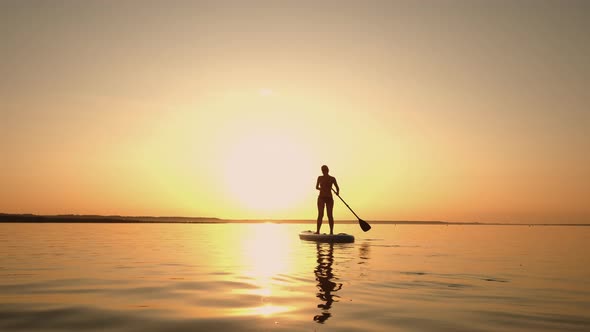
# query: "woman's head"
325, 170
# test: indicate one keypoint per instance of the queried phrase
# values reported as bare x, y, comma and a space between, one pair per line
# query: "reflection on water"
364, 252
326, 280
364, 256
261, 277
264, 255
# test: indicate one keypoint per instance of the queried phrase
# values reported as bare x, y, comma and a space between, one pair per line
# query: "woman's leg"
320, 214
330, 207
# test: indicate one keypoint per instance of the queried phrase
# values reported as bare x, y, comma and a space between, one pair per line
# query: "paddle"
364, 225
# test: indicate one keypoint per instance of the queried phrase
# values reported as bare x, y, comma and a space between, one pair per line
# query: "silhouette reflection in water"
364, 252
364, 257
325, 278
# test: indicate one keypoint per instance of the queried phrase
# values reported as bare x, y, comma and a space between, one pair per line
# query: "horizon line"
95, 218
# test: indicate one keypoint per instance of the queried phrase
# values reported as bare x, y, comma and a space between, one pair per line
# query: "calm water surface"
261, 277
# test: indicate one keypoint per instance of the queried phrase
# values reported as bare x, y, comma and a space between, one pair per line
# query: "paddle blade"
364, 225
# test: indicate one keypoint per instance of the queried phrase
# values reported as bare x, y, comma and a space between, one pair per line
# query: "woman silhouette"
325, 199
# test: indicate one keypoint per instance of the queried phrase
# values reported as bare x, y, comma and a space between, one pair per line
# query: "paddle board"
312, 236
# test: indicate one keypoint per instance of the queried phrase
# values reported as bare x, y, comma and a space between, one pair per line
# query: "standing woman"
325, 199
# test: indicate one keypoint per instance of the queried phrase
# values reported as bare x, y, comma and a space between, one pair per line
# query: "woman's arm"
317, 184
336, 185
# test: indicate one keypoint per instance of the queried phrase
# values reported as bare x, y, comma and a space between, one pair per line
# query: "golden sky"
424, 110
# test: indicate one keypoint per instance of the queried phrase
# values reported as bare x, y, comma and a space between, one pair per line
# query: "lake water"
261, 277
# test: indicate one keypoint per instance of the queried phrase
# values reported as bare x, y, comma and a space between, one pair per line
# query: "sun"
268, 170
264, 92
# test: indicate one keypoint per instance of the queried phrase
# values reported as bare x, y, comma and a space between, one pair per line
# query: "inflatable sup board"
335, 238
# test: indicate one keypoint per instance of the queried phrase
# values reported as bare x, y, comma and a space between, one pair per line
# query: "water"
261, 277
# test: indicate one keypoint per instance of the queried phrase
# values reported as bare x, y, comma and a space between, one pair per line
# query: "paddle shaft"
345, 204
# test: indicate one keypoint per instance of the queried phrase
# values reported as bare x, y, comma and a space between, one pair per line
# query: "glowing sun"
268, 171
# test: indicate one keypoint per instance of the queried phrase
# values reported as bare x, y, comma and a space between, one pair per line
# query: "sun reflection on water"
265, 255
265, 310
265, 252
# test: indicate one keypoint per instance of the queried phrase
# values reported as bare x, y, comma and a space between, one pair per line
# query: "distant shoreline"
72, 218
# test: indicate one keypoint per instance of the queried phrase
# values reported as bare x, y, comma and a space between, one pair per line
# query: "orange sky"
461, 111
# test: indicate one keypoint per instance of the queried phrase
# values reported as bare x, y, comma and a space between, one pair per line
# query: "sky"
423, 110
